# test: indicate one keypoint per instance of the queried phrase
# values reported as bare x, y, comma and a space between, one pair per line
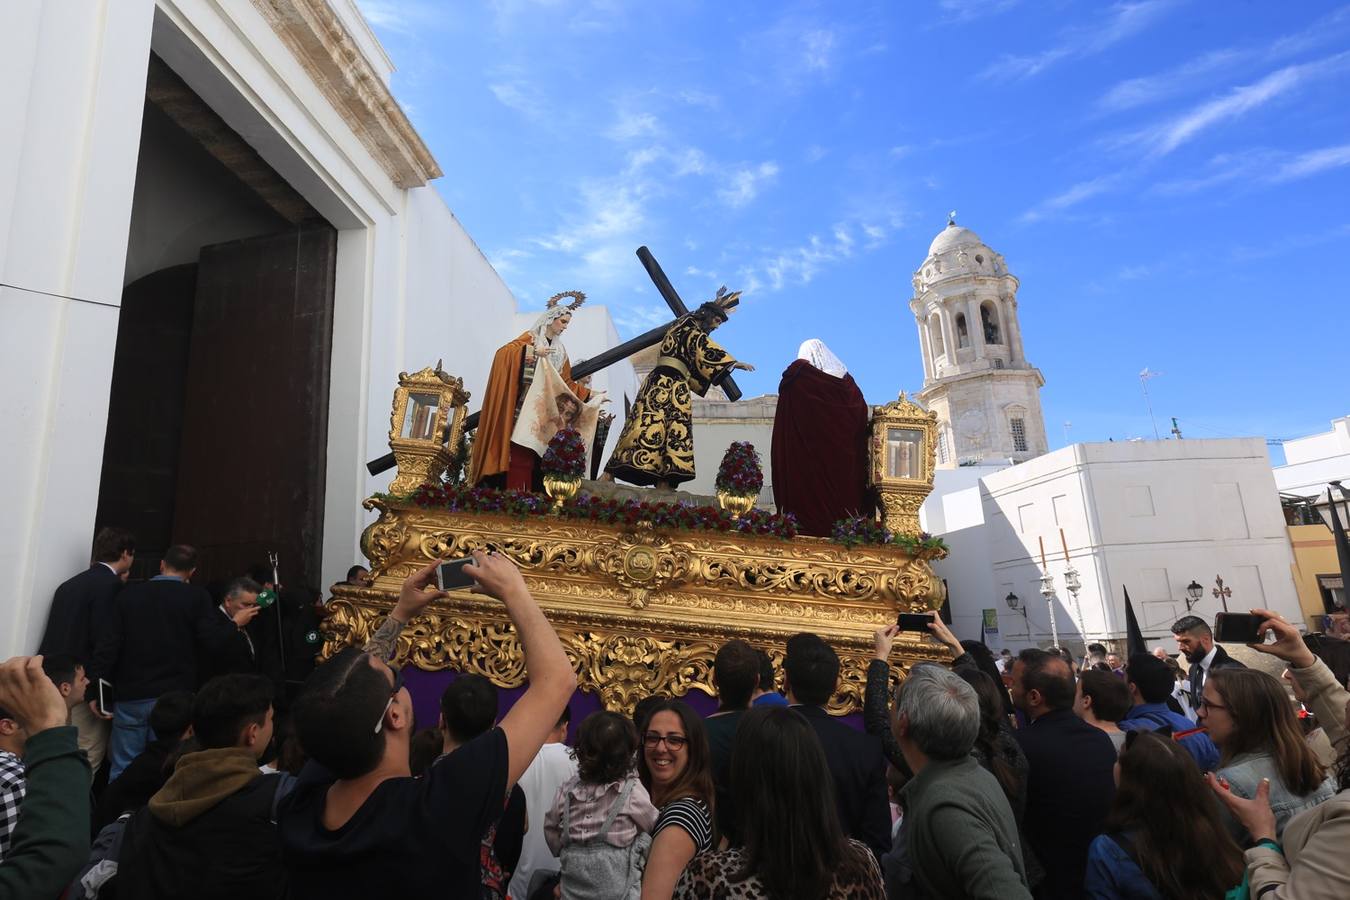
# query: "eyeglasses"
1205, 704
672, 741
398, 686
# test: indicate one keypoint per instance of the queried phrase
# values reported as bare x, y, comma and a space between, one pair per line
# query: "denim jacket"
1244, 774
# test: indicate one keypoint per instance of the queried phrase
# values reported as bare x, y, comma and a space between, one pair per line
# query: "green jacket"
961, 835
51, 840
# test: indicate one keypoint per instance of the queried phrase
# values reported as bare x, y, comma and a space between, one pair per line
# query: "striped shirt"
691, 815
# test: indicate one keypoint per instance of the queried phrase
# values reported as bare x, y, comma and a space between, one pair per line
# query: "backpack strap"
618, 805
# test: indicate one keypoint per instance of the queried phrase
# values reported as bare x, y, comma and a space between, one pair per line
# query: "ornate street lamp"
1222, 593
1015, 604
1194, 591
1048, 592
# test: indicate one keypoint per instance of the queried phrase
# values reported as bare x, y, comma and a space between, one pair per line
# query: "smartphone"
1236, 628
914, 621
105, 697
450, 575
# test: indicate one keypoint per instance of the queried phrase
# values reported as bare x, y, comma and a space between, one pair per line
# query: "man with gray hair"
230, 649
959, 831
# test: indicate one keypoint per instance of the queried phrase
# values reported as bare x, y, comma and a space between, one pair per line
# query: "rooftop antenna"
1144, 377
1176, 429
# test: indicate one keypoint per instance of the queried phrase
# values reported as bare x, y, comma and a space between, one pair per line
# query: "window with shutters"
1019, 435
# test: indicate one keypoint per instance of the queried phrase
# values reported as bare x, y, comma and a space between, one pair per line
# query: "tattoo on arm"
384, 641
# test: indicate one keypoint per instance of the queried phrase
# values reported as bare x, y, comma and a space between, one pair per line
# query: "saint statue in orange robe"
494, 456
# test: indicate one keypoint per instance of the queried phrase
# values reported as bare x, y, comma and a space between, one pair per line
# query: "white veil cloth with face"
817, 354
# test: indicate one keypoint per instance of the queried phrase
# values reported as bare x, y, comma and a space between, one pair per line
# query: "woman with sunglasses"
675, 766
1308, 861
1249, 717
1161, 813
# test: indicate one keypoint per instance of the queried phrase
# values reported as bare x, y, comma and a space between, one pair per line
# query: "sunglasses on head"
398, 686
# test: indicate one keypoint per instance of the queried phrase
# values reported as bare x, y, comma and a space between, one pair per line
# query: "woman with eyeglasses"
1249, 717
794, 846
1161, 816
1308, 860
676, 768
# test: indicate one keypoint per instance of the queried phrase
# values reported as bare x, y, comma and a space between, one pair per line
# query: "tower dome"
953, 236
976, 375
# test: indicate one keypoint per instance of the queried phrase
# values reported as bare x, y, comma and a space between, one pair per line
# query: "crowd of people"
1035, 775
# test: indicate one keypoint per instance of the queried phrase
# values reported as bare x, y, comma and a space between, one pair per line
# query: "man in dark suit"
150, 648
80, 609
1196, 641
1070, 779
228, 648
810, 674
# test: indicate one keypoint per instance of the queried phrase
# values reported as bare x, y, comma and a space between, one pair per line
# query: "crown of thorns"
578, 298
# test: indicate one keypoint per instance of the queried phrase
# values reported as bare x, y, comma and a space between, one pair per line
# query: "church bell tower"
975, 374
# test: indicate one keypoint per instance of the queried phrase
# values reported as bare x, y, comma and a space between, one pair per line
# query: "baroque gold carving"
621, 667
639, 610
901, 494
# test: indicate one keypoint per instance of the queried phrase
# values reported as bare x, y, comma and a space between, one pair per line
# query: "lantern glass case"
420, 417
903, 449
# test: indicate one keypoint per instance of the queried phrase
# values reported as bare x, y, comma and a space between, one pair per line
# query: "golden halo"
578, 298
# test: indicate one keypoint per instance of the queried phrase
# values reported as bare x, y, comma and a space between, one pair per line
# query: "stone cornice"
330, 55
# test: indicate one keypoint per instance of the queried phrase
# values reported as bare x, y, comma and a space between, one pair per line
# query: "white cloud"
1135, 92
743, 184
800, 264
815, 153
521, 96
1313, 163
630, 126
1083, 190
962, 11
818, 46
1166, 137
1125, 21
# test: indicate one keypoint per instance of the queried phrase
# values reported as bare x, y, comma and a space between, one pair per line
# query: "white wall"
1312, 461
1150, 516
72, 86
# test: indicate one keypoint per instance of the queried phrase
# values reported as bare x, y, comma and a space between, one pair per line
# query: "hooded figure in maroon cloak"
820, 443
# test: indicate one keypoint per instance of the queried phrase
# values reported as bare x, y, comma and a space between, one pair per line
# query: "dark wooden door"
145, 412
255, 419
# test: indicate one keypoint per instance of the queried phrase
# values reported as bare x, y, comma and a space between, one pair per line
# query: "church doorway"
218, 418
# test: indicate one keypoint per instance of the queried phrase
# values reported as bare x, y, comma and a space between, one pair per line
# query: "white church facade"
233, 184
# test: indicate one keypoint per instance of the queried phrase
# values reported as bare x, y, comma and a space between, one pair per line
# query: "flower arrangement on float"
856, 530
563, 464
740, 478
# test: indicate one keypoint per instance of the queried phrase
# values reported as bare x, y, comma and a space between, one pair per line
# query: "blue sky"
1169, 180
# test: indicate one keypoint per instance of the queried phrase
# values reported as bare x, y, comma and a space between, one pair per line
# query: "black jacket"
138, 782
1070, 786
149, 646
859, 772
1221, 660
80, 610
227, 650
229, 851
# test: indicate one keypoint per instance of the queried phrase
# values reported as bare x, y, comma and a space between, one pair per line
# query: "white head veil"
543, 347
817, 354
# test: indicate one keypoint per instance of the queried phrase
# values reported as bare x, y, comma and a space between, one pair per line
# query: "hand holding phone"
1237, 628
450, 575
914, 622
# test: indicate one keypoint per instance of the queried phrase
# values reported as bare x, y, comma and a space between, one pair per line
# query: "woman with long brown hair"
794, 847
1249, 717
1165, 835
675, 766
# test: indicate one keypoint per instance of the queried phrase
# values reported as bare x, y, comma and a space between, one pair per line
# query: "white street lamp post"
1048, 592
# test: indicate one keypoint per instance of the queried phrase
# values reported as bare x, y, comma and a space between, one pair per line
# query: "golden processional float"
641, 605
